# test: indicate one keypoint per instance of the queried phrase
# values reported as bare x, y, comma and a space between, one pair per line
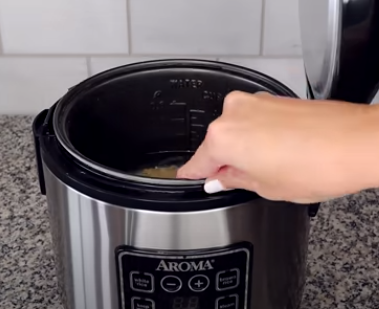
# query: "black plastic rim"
64, 106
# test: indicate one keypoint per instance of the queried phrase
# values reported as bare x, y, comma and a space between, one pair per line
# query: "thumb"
200, 166
228, 178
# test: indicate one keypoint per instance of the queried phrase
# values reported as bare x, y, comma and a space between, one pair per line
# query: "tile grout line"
1, 44
17, 55
129, 26
263, 19
89, 69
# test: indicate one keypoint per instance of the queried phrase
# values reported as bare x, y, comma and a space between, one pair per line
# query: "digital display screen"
185, 303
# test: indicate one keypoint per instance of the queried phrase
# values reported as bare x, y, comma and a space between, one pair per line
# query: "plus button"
198, 283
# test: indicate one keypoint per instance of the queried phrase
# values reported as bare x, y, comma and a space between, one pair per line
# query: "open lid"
340, 40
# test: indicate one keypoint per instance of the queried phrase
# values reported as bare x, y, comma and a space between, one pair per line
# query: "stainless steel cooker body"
126, 242
86, 232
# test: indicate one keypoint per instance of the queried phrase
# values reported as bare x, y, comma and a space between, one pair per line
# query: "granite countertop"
343, 253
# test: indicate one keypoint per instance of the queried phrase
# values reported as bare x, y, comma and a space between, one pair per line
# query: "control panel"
204, 279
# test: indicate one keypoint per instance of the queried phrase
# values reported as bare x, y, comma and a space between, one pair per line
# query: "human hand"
286, 149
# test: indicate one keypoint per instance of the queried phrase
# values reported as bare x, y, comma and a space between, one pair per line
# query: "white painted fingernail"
213, 186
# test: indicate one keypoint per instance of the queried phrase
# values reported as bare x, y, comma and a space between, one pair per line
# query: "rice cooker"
126, 239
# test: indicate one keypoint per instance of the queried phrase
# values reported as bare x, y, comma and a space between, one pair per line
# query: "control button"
141, 282
229, 302
142, 303
171, 284
227, 279
198, 283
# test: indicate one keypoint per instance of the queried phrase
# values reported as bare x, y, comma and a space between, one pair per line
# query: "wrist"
362, 152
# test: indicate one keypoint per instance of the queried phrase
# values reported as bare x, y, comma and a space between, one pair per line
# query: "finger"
236, 98
307, 201
316, 199
231, 99
228, 178
263, 94
201, 165
272, 196
271, 96
285, 196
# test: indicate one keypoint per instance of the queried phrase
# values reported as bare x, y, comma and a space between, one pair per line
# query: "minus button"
171, 284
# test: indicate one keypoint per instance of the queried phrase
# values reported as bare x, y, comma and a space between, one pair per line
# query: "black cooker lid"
340, 41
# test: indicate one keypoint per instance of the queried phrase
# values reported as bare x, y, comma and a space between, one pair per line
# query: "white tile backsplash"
57, 43
207, 27
100, 64
375, 100
281, 28
28, 85
63, 26
290, 72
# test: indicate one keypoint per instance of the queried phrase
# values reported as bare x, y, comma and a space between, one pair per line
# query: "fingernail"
213, 186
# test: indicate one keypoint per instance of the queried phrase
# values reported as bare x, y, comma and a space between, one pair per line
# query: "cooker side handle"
313, 209
37, 132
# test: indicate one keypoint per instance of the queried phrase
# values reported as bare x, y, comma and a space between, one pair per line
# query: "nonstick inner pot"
141, 115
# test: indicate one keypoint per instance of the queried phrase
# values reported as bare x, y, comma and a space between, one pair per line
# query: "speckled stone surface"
343, 253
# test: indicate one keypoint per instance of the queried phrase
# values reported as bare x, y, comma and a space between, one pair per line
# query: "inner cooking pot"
150, 114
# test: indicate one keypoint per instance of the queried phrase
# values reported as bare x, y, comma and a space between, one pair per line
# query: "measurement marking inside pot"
157, 94
212, 95
178, 119
178, 103
197, 111
186, 83
195, 134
